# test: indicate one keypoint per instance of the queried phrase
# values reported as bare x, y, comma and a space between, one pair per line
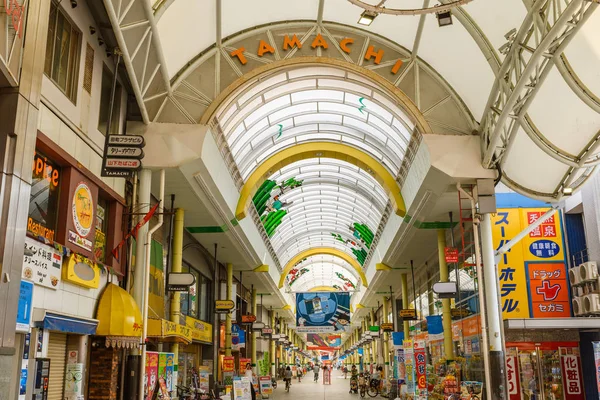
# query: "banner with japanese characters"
571, 370
533, 273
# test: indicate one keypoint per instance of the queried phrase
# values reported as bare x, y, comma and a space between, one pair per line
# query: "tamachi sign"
532, 274
322, 312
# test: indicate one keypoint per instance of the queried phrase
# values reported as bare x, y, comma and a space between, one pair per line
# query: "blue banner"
24, 308
322, 312
397, 338
434, 324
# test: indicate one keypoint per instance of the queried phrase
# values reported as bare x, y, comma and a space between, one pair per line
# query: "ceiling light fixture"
366, 18
567, 191
444, 18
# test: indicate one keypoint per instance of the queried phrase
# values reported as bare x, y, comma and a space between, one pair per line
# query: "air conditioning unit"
588, 271
574, 276
578, 306
591, 303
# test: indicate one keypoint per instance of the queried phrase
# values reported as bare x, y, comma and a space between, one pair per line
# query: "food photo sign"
41, 264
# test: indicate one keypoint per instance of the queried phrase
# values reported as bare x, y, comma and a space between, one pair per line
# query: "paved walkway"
307, 389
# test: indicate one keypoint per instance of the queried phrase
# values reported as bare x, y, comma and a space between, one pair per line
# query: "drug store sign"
532, 274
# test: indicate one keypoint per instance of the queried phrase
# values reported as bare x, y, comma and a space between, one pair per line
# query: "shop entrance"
544, 371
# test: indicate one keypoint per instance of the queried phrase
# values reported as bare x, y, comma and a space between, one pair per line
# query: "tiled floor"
307, 389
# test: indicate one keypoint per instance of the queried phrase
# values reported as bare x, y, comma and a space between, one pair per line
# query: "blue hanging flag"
398, 338
434, 324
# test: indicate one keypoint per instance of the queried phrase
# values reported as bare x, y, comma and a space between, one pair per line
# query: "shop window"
44, 197
101, 229
62, 52
195, 303
204, 298
107, 82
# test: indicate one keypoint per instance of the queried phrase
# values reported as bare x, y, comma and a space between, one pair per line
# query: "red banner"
134, 231
421, 365
571, 372
512, 377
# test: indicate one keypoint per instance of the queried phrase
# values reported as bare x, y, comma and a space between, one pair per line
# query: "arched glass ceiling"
322, 270
317, 202
309, 104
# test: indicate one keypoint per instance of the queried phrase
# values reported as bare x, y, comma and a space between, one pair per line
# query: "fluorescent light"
444, 18
366, 18
567, 191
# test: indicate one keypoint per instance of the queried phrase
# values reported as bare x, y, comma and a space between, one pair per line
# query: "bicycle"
287, 385
373, 390
316, 377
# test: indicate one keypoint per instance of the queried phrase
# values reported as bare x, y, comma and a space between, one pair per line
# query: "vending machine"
42, 374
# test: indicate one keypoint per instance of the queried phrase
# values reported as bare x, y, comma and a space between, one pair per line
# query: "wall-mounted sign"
41, 264
224, 306
451, 254
248, 319
201, 330
81, 271
25, 306
122, 155
408, 314
180, 281
82, 207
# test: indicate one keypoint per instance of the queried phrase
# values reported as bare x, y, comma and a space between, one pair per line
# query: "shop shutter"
57, 350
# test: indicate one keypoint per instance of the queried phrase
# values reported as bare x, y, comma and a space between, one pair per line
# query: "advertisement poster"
322, 312
73, 381
238, 337
409, 360
420, 365
597, 359
228, 364
242, 366
24, 308
170, 370
241, 388
265, 385
204, 382
532, 275
400, 366
151, 373
41, 264
322, 341
162, 365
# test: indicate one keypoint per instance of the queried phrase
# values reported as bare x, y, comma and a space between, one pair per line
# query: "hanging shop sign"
408, 314
224, 306
79, 229
81, 271
322, 312
451, 254
258, 326
41, 264
267, 331
180, 281
228, 364
532, 275
445, 290
387, 327
122, 155
248, 319
459, 312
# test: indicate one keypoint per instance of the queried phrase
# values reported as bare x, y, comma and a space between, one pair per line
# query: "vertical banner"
400, 366
151, 373
228, 364
597, 360
571, 372
409, 361
512, 377
421, 368
322, 312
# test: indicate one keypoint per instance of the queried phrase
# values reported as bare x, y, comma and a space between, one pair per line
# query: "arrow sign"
445, 290
224, 306
126, 140
117, 151
180, 281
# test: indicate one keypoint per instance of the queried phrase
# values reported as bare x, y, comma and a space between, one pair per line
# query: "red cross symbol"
549, 292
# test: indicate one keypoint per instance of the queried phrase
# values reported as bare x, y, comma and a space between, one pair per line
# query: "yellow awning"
167, 331
118, 314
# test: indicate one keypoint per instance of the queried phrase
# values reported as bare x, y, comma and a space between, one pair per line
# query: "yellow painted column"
176, 262
446, 313
404, 278
281, 358
228, 315
366, 348
374, 342
272, 346
430, 301
384, 336
252, 333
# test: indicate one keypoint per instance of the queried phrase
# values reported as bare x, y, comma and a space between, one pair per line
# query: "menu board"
41, 264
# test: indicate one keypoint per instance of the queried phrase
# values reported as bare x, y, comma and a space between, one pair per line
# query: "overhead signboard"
445, 290
248, 319
224, 306
451, 254
408, 314
459, 312
122, 155
180, 281
267, 331
258, 326
387, 327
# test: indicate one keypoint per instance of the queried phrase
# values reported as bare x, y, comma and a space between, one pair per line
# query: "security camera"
92, 30
73, 3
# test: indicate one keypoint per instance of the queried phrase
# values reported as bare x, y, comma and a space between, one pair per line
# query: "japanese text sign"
420, 365
41, 264
571, 376
451, 254
532, 274
512, 378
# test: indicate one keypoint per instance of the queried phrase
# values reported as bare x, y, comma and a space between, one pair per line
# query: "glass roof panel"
312, 272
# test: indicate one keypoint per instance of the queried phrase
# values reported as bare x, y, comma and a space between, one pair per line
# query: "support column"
446, 313
252, 333
492, 307
228, 315
430, 302
366, 348
384, 335
280, 330
176, 263
144, 187
18, 131
404, 280
272, 347
374, 342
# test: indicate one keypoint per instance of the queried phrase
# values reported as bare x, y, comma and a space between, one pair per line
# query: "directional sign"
258, 326
224, 306
180, 281
408, 314
387, 327
130, 164
444, 290
267, 331
126, 140
248, 319
114, 151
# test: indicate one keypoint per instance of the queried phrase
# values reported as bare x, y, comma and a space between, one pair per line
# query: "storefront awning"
54, 321
553, 323
167, 331
120, 319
